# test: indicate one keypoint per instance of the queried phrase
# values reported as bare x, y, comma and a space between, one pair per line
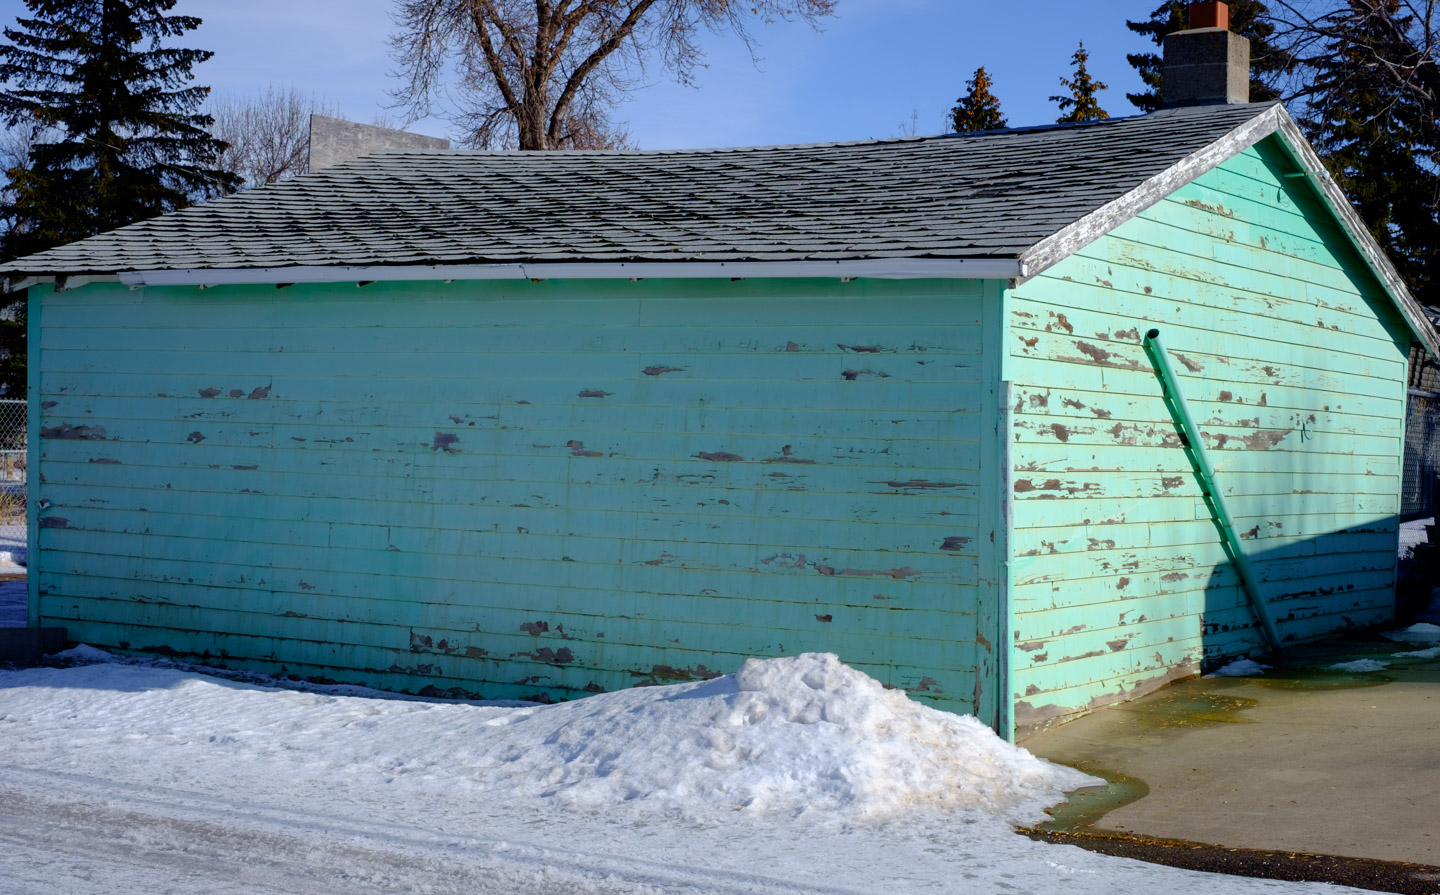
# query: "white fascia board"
62, 283
1071, 239
879, 268
1304, 156
1277, 122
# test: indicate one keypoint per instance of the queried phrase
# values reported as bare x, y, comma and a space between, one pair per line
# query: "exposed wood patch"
67, 432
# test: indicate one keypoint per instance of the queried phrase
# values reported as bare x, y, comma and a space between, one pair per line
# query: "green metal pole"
1156, 349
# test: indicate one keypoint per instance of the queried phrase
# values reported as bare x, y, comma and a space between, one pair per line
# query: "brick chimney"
1207, 64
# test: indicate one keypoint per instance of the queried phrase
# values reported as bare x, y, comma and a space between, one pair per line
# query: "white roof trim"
1303, 154
1274, 121
1055, 248
879, 268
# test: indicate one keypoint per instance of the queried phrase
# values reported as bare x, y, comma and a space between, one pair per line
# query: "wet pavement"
1305, 758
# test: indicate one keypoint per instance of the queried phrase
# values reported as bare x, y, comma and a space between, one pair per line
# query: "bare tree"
544, 74
268, 134
1388, 45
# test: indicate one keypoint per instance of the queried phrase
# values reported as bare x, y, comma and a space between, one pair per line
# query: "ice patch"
1240, 668
83, 653
1422, 632
1360, 665
1431, 653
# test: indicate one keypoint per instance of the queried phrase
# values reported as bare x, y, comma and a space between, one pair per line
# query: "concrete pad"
1304, 758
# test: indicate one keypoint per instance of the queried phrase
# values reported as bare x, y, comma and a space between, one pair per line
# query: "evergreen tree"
119, 134
1083, 103
1369, 135
978, 109
1248, 18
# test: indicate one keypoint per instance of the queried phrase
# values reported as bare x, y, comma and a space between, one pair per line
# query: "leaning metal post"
1213, 495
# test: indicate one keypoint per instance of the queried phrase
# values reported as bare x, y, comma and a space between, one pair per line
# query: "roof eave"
1273, 121
871, 268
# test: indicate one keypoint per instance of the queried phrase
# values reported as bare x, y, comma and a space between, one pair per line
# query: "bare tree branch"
268, 134
545, 74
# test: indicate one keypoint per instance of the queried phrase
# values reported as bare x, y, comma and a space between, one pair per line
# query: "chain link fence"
12, 478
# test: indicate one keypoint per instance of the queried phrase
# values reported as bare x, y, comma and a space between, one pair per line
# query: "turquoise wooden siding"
1294, 363
520, 489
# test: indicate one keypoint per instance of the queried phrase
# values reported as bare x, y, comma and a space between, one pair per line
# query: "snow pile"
791, 735
801, 735
1240, 668
1359, 665
1422, 632
82, 654
1431, 653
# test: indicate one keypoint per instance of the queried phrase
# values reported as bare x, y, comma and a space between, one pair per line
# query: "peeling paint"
67, 432
561, 656
209, 392
853, 375
1192, 365
720, 457
954, 543
535, 628
660, 371
899, 574
918, 485
445, 442
195, 438
577, 449
594, 393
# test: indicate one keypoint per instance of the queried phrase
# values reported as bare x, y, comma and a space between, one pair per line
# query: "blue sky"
876, 63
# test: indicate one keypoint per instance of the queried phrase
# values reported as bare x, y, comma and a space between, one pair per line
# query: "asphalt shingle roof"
990, 195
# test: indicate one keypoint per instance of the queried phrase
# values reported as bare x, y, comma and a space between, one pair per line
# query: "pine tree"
119, 135
978, 109
1368, 134
1248, 18
1083, 103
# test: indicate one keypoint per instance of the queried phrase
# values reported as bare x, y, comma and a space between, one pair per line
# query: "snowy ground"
12, 602
1413, 534
793, 775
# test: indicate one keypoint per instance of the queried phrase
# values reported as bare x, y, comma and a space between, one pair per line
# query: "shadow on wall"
1311, 586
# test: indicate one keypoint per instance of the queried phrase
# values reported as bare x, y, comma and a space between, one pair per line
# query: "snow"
1420, 632
13, 606
1360, 665
1413, 534
792, 775
83, 653
1431, 653
1240, 668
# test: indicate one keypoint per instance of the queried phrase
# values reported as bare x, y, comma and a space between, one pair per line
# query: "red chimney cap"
1210, 14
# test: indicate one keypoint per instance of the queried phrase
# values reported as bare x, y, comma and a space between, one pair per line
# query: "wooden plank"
1321, 342
1063, 458
1120, 578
